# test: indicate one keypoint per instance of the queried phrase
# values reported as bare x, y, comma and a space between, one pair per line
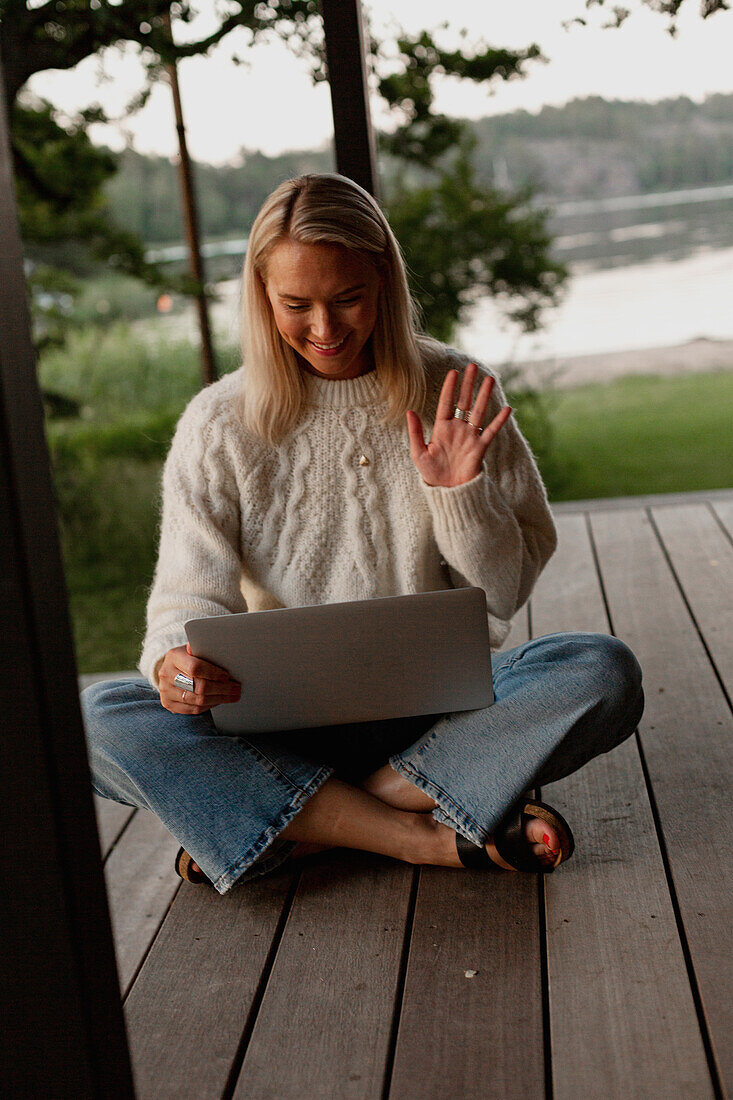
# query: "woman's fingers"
445, 401
481, 404
415, 433
197, 668
182, 701
465, 393
496, 425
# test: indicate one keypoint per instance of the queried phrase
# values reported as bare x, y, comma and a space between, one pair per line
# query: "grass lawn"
641, 435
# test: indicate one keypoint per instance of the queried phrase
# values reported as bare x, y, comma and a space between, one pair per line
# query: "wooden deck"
360, 977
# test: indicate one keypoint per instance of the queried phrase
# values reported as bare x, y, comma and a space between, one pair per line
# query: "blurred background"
559, 173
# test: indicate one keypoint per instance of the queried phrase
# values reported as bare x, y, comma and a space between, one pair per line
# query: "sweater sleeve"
199, 567
496, 531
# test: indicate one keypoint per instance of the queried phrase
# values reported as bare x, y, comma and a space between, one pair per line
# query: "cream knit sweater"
247, 526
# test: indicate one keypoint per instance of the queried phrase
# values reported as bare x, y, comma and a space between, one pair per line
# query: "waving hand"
457, 446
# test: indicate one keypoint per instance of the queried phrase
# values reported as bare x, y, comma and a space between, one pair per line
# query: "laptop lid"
359, 661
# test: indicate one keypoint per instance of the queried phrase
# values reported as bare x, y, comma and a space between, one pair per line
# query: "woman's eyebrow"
341, 293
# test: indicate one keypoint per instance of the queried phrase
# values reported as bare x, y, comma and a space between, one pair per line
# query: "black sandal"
512, 844
184, 870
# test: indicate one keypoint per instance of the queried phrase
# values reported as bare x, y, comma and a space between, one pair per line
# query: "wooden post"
190, 218
62, 1018
347, 75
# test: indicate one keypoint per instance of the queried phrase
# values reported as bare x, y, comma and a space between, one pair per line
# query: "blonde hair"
324, 209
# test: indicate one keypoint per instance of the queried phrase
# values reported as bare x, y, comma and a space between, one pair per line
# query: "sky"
271, 105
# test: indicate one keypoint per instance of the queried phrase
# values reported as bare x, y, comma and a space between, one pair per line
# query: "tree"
670, 8
498, 242
60, 175
461, 239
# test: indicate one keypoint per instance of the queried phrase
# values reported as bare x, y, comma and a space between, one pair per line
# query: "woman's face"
324, 300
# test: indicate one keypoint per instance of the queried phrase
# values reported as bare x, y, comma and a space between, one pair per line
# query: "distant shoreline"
565, 371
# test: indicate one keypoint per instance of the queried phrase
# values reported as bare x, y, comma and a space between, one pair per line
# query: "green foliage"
117, 399
422, 135
65, 217
58, 35
671, 8
496, 244
461, 240
114, 373
59, 174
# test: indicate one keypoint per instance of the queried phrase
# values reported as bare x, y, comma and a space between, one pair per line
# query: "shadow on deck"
357, 976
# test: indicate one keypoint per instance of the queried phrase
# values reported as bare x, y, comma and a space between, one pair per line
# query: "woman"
305, 478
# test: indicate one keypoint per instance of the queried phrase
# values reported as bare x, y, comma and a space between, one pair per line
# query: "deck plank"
493, 1019
724, 512
611, 929
324, 1026
474, 1036
702, 558
192, 999
112, 817
141, 884
686, 736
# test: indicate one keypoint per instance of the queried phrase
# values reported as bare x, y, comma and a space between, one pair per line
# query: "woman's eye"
294, 309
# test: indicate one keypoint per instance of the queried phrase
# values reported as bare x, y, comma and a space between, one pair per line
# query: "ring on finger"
476, 427
183, 681
183, 696
459, 414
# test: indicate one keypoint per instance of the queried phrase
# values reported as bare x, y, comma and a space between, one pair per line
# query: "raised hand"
457, 447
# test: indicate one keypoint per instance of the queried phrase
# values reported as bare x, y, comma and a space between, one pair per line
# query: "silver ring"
183, 681
474, 426
183, 696
459, 414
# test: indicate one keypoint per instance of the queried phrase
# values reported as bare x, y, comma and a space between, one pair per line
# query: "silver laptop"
350, 662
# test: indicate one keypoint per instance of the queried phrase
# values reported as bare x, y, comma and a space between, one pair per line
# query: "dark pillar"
63, 1028
347, 74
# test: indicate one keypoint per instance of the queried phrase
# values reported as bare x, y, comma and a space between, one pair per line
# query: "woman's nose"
323, 323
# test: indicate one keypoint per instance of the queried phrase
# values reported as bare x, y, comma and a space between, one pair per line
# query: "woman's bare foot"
544, 841
392, 788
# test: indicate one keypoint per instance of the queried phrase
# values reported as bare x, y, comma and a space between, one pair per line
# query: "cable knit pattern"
248, 526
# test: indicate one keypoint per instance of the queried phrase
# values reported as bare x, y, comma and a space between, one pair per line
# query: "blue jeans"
560, 701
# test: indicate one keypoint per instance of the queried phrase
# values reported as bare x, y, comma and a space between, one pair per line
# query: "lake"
646, 271
644, 305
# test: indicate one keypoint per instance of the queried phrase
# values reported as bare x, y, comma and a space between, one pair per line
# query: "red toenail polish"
546, 839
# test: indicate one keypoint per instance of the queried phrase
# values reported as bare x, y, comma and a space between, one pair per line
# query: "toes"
544, 839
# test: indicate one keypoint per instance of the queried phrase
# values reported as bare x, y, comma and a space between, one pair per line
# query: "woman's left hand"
456, 449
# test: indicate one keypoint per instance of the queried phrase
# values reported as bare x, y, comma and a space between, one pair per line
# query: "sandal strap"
473, 855
511, 842
185, 869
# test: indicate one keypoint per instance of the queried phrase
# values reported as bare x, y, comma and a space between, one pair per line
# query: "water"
645, 305
646, 271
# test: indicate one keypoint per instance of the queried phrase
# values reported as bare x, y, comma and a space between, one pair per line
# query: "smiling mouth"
328, 349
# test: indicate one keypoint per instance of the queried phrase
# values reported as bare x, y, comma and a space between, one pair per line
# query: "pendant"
364, 461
